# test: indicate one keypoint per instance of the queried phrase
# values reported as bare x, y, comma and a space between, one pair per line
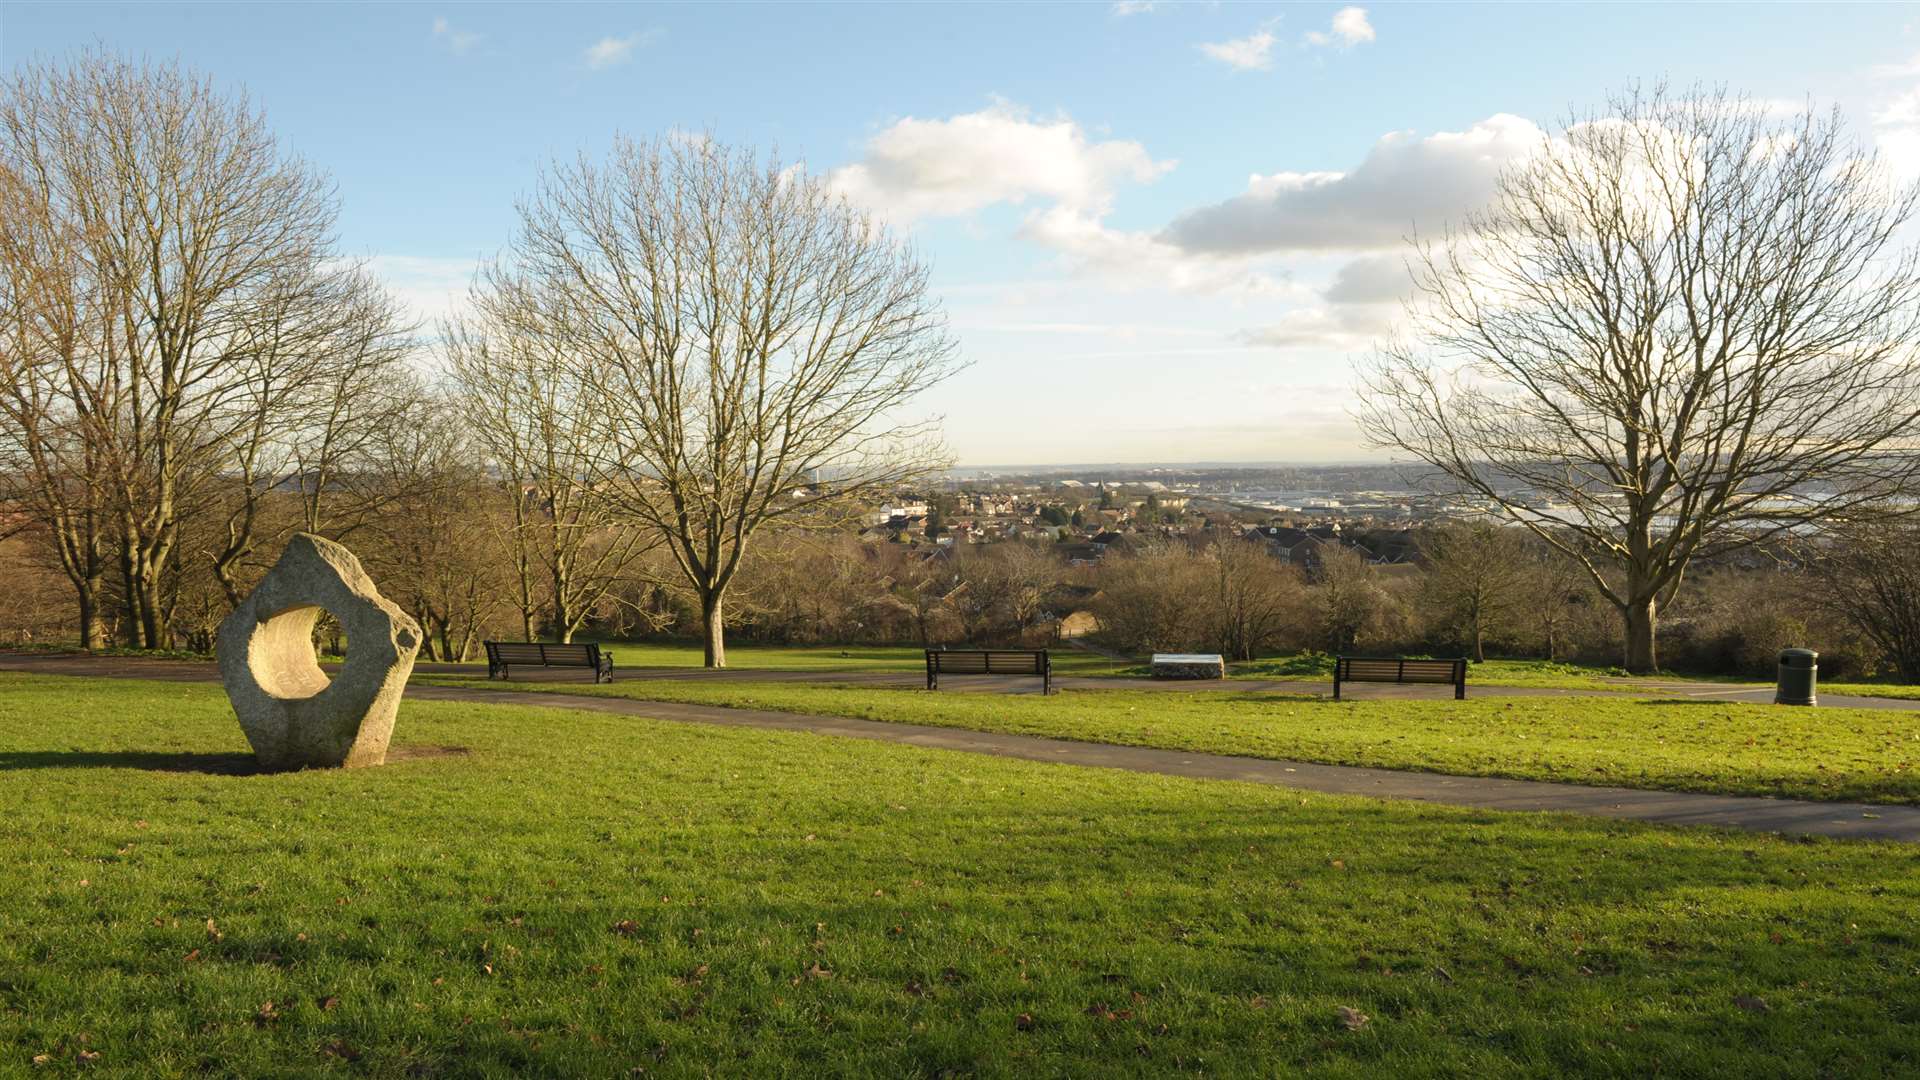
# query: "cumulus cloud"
1896, 132
611, 51
1087, 244
1349, 28
459, 42
941, 168
1405, 181
1322, 327
917, 169
1370, 279
1251, 53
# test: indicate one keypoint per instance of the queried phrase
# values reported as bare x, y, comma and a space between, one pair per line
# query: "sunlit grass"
591, 895
1682, 745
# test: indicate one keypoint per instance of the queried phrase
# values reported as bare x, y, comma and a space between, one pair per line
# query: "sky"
1162, 232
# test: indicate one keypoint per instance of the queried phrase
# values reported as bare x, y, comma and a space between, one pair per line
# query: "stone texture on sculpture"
294, 716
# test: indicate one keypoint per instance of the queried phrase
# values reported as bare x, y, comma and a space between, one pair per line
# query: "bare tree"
1475, 574
1683, 325
1146, 599
52, 358
748, 343
1350, 601
436, 542
1254, 598
190, 314
1869, 576
1557, 591
571, 552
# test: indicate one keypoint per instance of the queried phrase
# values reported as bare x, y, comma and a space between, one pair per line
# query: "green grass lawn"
1300, 667
1680, 745
592, 895
848, 658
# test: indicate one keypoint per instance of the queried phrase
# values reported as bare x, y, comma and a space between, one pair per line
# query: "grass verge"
1673, 745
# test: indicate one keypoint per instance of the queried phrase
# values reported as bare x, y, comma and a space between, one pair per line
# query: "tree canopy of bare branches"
1684, 323
1868, 573
572, 551
745, 343
180, 336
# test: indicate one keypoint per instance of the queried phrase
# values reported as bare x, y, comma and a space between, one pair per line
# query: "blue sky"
1079, 174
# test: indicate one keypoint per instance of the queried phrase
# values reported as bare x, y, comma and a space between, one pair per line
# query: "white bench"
1189, 666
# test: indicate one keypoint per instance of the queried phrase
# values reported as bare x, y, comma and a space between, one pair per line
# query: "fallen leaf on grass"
1354, 1019
42, 1059
1752, 1004
814, 971
87, 1057
1024, 1021
329, 1004
626, 927
190, 957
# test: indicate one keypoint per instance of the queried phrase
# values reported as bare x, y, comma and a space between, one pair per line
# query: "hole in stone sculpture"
281, 655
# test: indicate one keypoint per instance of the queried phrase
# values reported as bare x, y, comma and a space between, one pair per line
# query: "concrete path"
1793, 816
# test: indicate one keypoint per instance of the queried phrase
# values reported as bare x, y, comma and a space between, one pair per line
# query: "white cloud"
1123, 8
1907, 69
1326, 327
459, 42
1088, 244
1371, 279
611, 51
941, 168
1896, 132
429, 288
1251, 53
1405, 182
1350, 27
918, 169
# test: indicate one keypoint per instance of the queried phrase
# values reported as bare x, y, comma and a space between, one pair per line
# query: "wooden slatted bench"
503, 654
989, 662
1397, 669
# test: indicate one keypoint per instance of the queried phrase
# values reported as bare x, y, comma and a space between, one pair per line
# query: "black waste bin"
1799, 669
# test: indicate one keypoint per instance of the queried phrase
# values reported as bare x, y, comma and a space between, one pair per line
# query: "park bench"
503, 654
989, 662
1396, 669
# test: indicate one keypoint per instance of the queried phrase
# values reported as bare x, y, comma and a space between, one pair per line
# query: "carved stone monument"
295, 716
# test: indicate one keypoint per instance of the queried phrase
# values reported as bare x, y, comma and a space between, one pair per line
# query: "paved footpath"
1793, 816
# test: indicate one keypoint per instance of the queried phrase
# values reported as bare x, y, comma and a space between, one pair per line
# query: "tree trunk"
1479, 645
1641, 658
713, 627
153, 621
92, 634
565, 614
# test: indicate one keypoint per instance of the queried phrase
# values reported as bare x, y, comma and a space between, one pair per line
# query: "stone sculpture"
294, 716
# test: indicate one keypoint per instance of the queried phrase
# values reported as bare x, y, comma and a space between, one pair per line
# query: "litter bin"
1799, 668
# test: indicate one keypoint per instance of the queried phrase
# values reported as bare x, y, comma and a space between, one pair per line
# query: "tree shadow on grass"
228, 764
